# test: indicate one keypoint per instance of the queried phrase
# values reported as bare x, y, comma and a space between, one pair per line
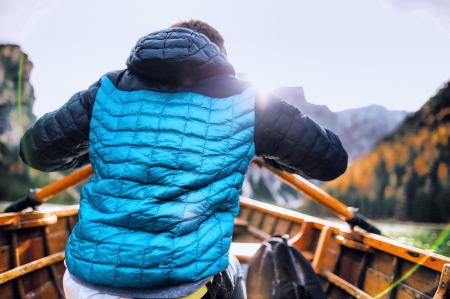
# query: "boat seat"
244, 251
240, 222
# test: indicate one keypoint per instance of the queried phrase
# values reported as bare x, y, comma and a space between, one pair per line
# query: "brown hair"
202, 27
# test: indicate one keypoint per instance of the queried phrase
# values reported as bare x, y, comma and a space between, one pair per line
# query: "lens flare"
440, 240
19, 92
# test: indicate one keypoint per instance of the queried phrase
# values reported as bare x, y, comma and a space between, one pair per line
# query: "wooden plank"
5, 258
353, 244
302, 241
7, 291
319, 254
376, 283
390, 246
282, 227
269, 224
345, 285
16, 262
8, 218
256, 232
443, 291
420, 279
244, 213
32, 219
351, 265
66, 211
294, 229
407, 292
32, 266
53, 271
415, 255
256, 218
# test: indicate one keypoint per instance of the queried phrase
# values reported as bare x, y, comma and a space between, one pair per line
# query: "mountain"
406, 176
15, 69
16, 115
359, 129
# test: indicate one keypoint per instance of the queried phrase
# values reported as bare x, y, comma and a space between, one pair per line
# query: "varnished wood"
320, 251
319, 195
329, 246
346, 286
390, 246
412, 254
353, 244
443, 291
16, 262
302, 240
380, 270
8, 218
66, 211
32, 266
42, 220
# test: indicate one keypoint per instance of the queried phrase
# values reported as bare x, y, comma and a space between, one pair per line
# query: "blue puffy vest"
168, 167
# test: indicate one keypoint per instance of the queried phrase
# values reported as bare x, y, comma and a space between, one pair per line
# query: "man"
170, 139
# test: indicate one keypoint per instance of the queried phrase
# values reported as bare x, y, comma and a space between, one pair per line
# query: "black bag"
280, 271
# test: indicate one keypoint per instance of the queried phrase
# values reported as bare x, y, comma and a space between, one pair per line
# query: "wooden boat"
32, 252
351, 264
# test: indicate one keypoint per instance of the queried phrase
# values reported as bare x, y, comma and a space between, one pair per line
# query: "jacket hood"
177, 56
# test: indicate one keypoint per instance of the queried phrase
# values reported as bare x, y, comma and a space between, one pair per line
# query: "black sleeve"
59, 140
289, 140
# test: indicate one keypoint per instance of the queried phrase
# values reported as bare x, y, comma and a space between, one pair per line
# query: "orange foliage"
420, 166
388, 192
442, 170
443, 133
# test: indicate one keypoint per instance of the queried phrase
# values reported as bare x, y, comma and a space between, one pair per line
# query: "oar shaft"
52, 189
315, 192
333, 204
37, 197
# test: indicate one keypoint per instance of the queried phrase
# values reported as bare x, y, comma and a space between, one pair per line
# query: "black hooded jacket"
180, 61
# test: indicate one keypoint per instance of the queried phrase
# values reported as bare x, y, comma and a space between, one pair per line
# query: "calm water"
425, 236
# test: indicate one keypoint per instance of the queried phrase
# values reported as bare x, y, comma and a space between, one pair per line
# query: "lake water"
425, 236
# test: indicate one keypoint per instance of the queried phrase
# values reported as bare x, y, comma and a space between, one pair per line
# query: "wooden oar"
37, 197
344, 212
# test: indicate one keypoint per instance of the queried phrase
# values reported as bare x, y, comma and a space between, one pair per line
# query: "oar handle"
361, 221
333, 204
37, 197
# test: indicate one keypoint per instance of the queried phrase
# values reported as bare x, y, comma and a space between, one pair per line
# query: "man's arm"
59, 140
289, 140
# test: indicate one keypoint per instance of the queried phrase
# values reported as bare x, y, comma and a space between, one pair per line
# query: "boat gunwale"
382, 243
390, 246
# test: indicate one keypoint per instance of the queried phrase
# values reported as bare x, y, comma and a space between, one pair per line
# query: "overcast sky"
345, 53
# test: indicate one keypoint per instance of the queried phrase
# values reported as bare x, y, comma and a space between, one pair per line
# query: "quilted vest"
168, 167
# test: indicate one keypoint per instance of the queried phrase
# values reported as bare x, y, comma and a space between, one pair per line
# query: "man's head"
206, 29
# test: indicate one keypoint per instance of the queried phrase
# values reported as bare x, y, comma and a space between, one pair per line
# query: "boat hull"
32, 253
350, 264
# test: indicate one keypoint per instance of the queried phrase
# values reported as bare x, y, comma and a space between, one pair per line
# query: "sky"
345, 54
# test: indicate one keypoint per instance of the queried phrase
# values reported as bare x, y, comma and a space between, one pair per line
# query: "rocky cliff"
359, 129
16, 104
16, 115
406, 176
